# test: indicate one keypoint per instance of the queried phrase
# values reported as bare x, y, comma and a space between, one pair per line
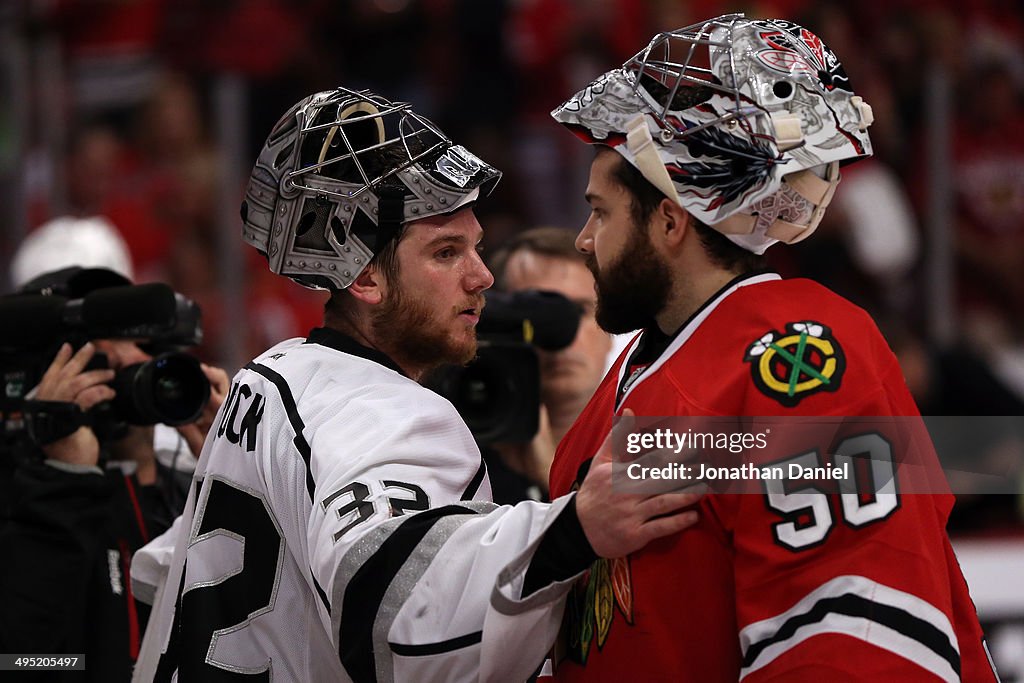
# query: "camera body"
171, 388
498, 393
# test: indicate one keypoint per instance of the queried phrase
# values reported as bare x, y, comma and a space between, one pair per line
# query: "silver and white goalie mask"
339, 176
743, 122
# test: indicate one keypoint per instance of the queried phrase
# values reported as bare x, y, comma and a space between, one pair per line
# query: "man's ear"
671, 222
370, 286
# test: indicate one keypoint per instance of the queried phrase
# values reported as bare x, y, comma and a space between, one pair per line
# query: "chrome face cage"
410, 126
694, 42
314, 203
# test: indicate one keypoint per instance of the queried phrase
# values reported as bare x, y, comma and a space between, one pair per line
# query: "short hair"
385, 261
645, 199
547, 241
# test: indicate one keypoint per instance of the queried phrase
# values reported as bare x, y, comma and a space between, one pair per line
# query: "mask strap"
788, 131
641, 146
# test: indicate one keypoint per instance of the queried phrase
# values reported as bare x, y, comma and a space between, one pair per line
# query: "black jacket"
66, 543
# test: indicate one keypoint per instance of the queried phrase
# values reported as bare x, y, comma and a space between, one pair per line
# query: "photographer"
79, 501
546, 258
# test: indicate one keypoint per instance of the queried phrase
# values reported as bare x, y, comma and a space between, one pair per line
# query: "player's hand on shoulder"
617, 522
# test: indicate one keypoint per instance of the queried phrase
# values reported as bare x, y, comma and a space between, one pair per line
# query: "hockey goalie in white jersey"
338, 528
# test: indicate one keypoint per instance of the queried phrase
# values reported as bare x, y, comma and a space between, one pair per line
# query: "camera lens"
498, 394
178, 388
170, 389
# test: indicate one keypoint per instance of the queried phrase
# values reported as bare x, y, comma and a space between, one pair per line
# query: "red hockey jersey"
780, 585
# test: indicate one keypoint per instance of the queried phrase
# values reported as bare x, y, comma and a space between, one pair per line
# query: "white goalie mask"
339, 176
743, 122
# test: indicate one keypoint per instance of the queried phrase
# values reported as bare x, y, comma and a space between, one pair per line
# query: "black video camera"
498, 393
171, 388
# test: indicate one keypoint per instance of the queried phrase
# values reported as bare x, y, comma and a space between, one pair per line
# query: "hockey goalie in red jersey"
713, 143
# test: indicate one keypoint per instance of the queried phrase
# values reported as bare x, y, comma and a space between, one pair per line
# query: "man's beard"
633, 289
413, 335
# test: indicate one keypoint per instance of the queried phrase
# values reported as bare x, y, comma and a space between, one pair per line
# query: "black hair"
645, 199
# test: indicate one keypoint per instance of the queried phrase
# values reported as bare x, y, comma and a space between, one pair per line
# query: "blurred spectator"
171, 170
98, 169
278, 309
867, 247
480, 29
959, 382
256, 38
66, 241
89, 175
881, 229
110, 50
558, 46
91, 168
988, 155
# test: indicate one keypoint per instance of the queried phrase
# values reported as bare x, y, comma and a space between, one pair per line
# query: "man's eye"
447, 252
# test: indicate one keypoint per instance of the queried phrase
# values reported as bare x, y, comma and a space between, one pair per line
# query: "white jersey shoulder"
338, 531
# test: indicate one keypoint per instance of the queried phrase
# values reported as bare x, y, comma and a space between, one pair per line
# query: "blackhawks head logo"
793, 365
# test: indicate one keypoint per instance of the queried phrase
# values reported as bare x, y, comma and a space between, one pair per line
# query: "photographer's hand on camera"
532, 458
66, 380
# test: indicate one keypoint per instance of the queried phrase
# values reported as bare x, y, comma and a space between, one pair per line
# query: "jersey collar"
652, 347
325, 336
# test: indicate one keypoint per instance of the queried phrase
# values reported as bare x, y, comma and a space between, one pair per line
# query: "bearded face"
413, 330
634, 287
431, 294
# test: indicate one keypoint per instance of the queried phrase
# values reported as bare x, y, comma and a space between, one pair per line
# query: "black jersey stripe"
849, 604
563, 551
293, 417
427, 649
320, 591
474, 484
370, 583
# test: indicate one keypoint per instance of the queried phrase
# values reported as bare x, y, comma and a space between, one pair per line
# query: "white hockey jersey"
338, 530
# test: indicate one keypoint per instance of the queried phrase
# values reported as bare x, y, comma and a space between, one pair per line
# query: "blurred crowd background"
150, 112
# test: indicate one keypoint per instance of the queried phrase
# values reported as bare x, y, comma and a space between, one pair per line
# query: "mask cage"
343, 131
679, 60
